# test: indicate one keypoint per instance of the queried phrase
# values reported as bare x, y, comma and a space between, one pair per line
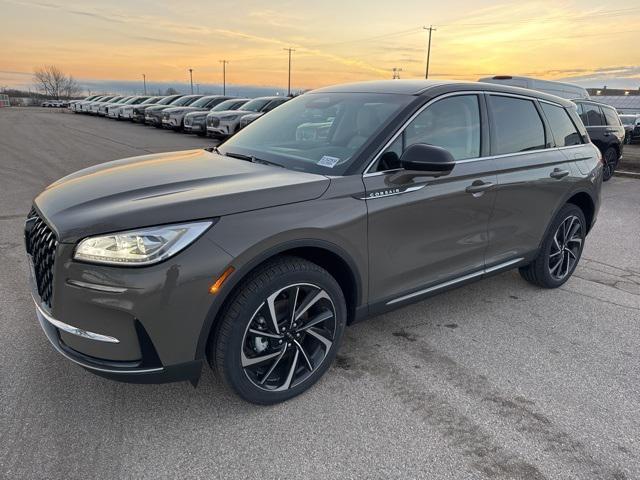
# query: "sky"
113, 42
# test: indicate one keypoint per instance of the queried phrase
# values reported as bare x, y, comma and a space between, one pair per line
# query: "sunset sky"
594, 42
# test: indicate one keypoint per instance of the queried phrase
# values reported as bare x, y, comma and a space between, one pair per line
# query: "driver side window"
452, 123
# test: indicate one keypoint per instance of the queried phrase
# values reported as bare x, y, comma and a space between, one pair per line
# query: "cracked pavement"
495, 380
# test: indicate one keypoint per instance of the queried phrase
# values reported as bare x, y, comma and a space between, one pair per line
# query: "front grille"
213, 122
41, 245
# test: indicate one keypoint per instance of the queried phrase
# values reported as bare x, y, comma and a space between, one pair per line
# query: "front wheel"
280, 331
610, 163
560, 251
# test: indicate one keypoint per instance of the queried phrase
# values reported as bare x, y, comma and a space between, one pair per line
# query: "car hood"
184, 109
156, 108
168, 188
199, 113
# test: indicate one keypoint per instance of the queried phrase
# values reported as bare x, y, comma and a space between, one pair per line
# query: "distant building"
614, 92
4, 100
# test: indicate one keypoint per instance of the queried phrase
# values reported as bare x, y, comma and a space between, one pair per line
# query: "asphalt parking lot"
496, 380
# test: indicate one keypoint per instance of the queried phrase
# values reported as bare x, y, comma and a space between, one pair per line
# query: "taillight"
599, 153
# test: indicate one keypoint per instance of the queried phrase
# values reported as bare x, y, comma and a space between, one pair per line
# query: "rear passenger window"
591, 115
564, 131
612, 117
517, 124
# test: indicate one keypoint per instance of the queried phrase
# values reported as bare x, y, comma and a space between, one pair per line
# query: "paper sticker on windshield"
328, 161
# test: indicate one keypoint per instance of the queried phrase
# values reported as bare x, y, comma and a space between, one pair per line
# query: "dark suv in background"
342, 203
606, 132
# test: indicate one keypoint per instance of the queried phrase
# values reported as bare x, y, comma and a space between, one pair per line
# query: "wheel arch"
329, 256
584, 201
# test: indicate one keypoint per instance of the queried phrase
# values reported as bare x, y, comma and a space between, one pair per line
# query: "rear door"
425, 231
532, 177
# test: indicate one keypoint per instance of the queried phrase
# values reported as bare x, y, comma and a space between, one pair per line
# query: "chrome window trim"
368, 174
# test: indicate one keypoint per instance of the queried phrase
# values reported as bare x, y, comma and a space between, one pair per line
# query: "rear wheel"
560, 251
610, 163
280, 331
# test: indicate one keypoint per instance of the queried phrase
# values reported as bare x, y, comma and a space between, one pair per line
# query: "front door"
425, 231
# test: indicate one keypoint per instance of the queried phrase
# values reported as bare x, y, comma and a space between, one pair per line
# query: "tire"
610, 157
296, 357
541, 271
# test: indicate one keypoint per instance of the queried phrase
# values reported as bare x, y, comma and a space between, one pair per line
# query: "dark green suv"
342, 203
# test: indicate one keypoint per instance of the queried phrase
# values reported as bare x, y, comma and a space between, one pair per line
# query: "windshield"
151, 100
627, 119
317, 133
184, 101
135, 101
115, 99
202, 102
233, 104
168, 100
255, 105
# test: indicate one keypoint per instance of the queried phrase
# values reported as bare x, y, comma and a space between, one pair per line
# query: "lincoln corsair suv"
344, 202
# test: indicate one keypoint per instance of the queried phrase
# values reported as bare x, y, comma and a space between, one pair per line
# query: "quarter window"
564, 131
612, 117
517, 124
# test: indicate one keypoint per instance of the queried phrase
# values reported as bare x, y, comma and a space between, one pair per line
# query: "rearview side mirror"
428, 160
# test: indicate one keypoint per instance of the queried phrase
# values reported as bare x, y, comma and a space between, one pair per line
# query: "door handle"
478, 187
558, 174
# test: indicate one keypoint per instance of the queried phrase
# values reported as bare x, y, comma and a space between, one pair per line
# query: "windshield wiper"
252, 159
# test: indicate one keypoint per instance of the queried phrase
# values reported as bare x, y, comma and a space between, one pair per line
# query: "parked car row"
217, 116
55, 103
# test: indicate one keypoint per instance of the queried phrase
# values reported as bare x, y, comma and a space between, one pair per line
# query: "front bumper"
122, 371
171, 122
222, 129
194, 128
132, 324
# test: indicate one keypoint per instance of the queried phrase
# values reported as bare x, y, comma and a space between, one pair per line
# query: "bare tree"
53, 82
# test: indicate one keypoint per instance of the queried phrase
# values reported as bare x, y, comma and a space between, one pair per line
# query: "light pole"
191, 78
431, 29
224, 76
289, 83
144, 80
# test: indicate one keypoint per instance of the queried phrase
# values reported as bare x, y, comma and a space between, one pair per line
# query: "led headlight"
140, 247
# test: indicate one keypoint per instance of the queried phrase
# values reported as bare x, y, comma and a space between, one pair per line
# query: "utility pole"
191, 77
224, 76
431, 29
289, 83
396, 73
144, 80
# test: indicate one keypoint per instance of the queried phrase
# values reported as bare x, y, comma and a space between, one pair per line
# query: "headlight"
140, 247
227, 118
